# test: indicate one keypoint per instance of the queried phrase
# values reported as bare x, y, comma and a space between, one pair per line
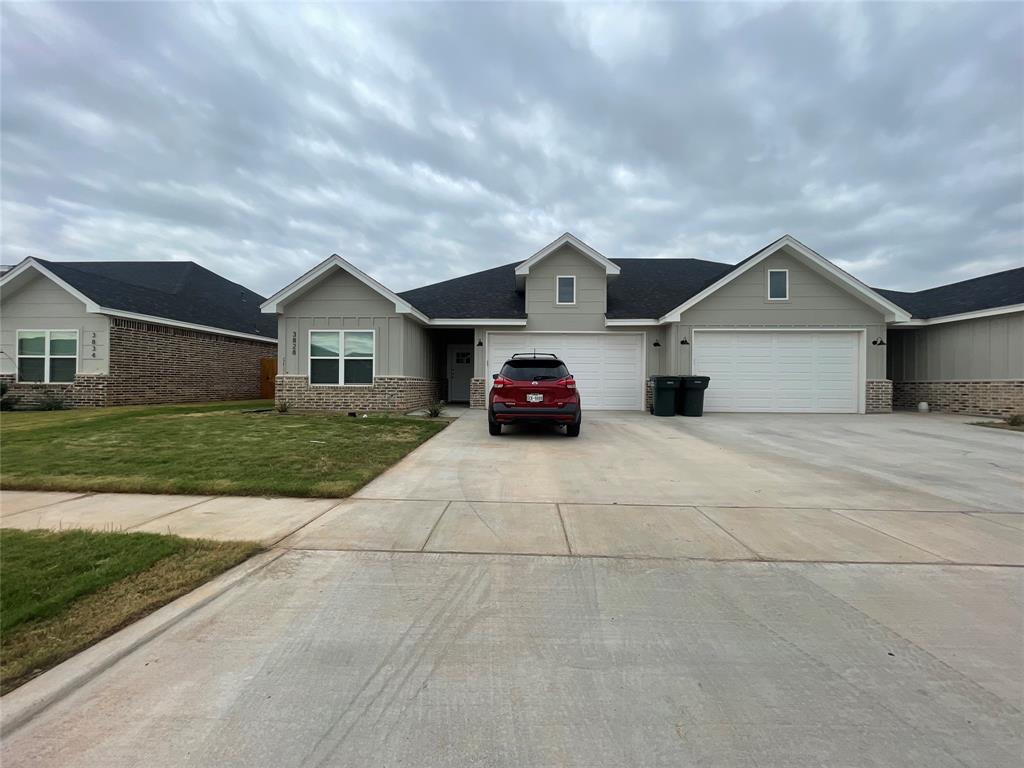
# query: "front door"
460, 371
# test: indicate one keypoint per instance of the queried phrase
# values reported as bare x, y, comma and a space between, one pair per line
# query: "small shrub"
435, 409
52, 401
1017, 420
282, 406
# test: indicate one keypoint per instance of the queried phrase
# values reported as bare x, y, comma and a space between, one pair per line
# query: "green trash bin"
690, 400
663, 390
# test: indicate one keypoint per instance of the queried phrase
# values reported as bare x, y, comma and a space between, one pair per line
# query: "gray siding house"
784, 330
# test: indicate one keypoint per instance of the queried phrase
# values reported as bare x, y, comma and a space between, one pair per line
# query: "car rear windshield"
534, 370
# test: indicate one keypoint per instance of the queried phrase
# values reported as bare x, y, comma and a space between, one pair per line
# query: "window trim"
46, 354
341, 358
786, 273
565, 303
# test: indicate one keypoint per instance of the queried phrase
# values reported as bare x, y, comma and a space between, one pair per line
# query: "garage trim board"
613, 357
836, 371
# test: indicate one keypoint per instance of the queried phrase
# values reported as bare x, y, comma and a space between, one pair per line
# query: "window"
778, 284
565, 289
463, 358
341, 357
534, 370
49, 357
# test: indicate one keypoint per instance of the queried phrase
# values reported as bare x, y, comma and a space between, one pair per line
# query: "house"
783, 330
963, 349
129, 333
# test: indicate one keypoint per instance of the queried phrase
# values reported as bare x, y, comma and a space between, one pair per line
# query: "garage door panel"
608, 368
799, 371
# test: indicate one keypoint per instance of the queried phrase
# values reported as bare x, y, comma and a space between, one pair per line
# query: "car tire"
493, 427
573, 430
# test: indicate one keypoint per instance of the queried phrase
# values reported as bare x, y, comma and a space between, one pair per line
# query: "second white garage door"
786, 371
608, 367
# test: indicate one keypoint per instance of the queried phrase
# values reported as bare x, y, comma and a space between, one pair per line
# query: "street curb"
23, 703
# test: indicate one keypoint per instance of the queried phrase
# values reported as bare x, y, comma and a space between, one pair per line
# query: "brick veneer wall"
878, 396
86, 390
387, 393
981, 398
477, 393
159, 364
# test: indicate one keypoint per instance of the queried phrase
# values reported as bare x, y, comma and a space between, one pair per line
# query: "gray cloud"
425, 141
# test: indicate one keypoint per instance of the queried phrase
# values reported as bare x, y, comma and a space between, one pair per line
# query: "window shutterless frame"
785, 275
341, 357
558, 290
46, 356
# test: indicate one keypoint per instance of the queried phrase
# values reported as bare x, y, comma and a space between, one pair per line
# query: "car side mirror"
494, 375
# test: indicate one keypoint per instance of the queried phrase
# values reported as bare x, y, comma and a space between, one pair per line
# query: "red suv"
535, 388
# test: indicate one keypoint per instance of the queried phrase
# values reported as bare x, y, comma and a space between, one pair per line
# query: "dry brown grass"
32, 648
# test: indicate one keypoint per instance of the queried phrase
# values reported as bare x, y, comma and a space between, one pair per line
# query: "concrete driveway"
730, 591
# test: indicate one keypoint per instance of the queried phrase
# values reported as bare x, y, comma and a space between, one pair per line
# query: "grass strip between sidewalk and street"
60, 592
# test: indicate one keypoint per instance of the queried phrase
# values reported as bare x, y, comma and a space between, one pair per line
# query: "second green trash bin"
690, 399
663, 391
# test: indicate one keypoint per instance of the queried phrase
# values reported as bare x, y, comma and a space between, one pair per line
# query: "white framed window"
342, 357
565, 289
47, 357
778, 285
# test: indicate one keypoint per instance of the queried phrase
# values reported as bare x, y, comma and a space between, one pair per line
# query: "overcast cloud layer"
427, 141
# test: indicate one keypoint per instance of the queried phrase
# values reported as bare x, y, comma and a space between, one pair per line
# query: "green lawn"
61, 592
213, 448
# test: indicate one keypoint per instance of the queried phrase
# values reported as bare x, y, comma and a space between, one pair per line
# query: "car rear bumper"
506, 414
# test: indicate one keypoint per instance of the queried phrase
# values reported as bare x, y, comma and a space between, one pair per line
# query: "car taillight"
500, 382
569, 383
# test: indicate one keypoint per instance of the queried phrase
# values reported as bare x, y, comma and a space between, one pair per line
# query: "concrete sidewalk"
225, 518
524, 528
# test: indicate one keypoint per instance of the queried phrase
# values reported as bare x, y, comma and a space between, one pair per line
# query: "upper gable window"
778, 284
565, 289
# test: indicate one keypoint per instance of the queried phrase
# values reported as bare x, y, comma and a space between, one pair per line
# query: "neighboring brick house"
129, 333
784, 330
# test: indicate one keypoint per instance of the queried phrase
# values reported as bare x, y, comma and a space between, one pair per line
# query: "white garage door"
608, 367
767, 371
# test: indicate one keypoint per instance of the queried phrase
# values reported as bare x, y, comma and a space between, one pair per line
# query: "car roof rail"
534, 354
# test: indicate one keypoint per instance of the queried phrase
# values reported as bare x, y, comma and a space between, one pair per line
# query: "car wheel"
573, 430
493, 427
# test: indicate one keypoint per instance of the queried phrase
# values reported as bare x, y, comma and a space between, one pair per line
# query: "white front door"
608, 367
460, 371
780, 371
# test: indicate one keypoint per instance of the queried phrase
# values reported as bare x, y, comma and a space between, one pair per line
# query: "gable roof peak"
568, 238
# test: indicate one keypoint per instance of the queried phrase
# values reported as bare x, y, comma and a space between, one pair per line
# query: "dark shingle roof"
491, 293
987, 292
648, 288
645, 288
173, 290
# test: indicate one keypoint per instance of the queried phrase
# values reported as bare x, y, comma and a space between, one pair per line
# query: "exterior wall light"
479, 342
879, 342
684, 342
657, 343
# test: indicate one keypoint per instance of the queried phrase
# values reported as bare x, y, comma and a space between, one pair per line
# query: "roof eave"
272, 305
892, 312
609, 266
974, 315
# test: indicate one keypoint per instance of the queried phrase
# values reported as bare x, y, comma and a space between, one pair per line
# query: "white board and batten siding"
609, 368
784, 371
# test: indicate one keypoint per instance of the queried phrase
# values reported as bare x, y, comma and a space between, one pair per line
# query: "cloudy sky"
423, 141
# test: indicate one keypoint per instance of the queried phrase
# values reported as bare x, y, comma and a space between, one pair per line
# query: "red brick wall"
981, 398
387, 393
160, 364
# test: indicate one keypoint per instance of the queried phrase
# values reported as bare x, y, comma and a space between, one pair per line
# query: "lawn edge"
30, 699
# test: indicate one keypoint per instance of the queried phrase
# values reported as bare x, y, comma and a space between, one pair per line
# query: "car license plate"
535, 397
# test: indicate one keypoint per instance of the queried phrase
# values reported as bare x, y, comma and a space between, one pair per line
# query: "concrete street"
728, 591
